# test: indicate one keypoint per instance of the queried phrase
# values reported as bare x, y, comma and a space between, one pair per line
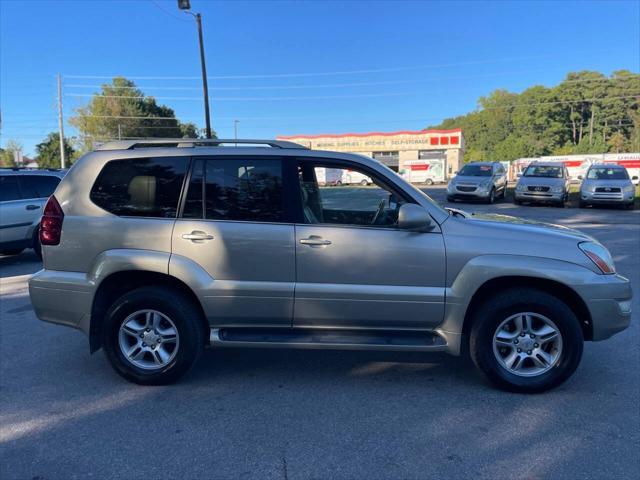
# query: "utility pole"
186, 6
235, 128
63, 162
119, 132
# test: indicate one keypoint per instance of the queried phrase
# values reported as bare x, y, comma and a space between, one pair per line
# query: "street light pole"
205, 87
185, 5
235, 128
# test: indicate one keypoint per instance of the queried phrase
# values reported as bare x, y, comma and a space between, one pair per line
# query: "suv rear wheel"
153, 335
526, 340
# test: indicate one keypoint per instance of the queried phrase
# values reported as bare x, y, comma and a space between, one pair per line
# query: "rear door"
233, 225
36, 189
355, 268
14, 218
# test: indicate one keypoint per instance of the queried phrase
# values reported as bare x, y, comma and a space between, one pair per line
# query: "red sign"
424, 166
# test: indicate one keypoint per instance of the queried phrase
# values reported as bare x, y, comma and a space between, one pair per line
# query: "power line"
344, 85
344, 72
334, 97
167, 12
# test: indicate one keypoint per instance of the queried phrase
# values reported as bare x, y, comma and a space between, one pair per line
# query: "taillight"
51, 223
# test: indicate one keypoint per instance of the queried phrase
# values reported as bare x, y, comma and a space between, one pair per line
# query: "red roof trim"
370, 134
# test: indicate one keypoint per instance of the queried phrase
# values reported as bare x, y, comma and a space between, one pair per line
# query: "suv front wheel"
526, 340
153, 335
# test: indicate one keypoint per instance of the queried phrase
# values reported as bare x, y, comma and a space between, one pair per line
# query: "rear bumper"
609, 302
64, 298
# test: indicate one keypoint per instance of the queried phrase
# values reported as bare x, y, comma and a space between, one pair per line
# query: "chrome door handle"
315, 241
196, 236
32, 207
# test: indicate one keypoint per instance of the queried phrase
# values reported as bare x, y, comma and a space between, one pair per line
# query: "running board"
334, 339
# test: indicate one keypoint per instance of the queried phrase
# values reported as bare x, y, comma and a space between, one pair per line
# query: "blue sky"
301, 67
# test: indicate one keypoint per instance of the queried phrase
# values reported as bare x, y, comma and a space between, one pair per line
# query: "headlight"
557, 189
598, 255
521, 187
629, 188
451, 186
485, 185
589, 187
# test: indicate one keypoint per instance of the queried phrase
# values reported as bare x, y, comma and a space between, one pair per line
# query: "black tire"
450, 199
182, 311
503, 195
492, 196
12, 251
582, 204
510, 302
428, 182
517, 202
35, 243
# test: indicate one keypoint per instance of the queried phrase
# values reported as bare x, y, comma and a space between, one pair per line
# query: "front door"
232, 226
355, 268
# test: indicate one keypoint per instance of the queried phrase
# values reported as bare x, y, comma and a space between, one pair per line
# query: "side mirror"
414, 217
579, 177
518, 175
635, 177
456, 172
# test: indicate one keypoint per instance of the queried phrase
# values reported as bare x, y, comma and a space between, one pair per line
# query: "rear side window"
9, 189
235, 189
140, 187
38, 186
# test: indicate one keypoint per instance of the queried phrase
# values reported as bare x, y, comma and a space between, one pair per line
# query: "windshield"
471, 170
606, 173
543, 171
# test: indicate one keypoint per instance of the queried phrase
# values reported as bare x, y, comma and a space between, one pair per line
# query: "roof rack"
193, 142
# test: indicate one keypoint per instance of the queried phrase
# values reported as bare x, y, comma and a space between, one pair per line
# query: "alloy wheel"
527, 344
148, 339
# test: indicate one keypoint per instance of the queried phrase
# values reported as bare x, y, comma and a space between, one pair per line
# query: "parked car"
350, 177
543, 183
484, 181
607, 185
23, 194
155, 251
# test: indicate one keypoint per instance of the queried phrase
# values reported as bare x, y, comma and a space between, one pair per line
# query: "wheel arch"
557, 289
118, 283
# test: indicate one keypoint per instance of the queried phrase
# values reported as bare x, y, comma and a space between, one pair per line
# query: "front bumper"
476, 194
527, 196
64, 298
608, 299
612, 198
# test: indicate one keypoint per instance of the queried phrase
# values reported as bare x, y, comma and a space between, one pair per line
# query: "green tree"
580, 115
122, 110
48, 152
7, 154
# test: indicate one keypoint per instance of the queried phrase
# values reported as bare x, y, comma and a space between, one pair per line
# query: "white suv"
23, 194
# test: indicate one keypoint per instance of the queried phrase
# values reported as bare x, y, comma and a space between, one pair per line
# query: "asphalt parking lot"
317, 414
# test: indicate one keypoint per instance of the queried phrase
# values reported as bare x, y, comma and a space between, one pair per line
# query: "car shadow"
26, 263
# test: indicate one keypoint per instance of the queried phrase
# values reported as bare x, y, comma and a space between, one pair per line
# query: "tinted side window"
9, 189
235, 189
140, 187
38, 186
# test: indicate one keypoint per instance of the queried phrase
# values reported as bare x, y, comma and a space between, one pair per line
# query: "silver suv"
157, 249
23, 194
483, 181
607, 185
543, 183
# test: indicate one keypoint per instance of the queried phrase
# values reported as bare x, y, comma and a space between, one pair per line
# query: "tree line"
119, 111
587, 112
